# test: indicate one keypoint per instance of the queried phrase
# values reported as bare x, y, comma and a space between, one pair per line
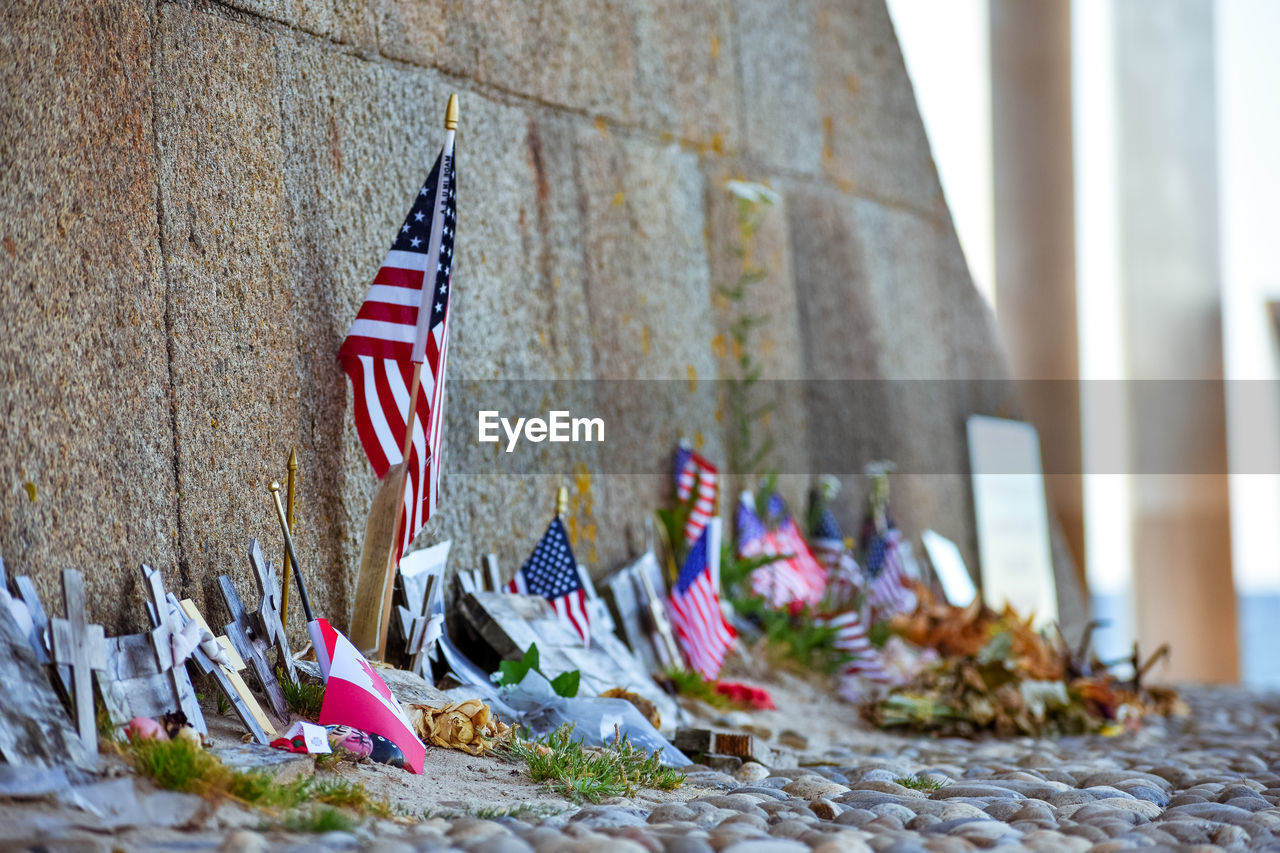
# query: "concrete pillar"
1035, 238
1170, 274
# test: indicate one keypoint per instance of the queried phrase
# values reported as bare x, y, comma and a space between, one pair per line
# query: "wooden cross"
271, 629
414, 628
82, 649
164, 627
40, 632
243, 635
228, 677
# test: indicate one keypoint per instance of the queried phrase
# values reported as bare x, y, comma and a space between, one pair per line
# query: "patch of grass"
918, 784
589, 774
348, 795
318, 820
303, 698
692, 684
223, 706
178, 765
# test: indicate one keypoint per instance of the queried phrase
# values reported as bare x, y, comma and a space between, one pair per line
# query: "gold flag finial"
451, 114
562, 500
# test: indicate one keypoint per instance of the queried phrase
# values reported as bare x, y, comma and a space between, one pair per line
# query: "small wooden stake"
289, 497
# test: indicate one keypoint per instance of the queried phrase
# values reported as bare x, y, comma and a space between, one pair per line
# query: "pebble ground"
1210, 781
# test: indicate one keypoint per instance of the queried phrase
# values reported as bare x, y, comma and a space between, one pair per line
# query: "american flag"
552, 572
887, 575
391, 334
829, 547
694, 607
693, 472
796, 577
851, 638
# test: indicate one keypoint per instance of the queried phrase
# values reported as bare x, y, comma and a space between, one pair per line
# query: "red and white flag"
798, 576
552, 572
694, 609
851, 638
403, 322
699, 479
355, 695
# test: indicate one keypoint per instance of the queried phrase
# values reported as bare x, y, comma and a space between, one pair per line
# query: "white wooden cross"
82, 648
414, 627
161, 637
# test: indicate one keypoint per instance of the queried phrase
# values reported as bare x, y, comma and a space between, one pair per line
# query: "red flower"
746, 695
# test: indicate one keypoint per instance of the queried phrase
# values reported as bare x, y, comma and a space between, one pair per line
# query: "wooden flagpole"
433, 252
292, 482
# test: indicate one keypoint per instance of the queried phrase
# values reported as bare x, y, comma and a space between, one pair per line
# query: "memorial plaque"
1012, 518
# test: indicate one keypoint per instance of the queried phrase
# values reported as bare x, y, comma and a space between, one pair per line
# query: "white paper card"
1013, 517
315, 737
948, 565
416, 567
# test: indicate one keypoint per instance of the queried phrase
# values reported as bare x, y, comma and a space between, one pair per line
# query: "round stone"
812, 787
751, 771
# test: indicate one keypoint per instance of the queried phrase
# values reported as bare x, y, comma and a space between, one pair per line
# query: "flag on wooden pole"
797, 576
698, 479
396, 354
552, 572
694, 607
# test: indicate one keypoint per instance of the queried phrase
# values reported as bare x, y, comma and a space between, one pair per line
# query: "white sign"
948, 565
1012, 517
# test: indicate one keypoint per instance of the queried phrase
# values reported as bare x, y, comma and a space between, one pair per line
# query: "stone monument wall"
195, 196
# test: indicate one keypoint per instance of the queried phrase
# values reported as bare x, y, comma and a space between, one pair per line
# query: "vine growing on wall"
750, 444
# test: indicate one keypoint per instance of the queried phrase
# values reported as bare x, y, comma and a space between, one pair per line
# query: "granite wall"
195, 195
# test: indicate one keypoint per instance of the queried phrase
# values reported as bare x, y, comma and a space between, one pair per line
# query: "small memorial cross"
243, 635
82, 649
225, 673
162, 636
419, 641
268, 616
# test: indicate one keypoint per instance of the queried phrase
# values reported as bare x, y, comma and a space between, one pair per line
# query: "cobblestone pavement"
1205, 782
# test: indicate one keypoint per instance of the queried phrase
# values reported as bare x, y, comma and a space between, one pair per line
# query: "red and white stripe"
572, 607
386, 339
798, 577
851, 638
697, 473
700, 627
889, 592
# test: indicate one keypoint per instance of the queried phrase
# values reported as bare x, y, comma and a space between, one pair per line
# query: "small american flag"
694, 607
798, 576
851, 638
391, 333
844, 574
552, 572
887, 575
697, 478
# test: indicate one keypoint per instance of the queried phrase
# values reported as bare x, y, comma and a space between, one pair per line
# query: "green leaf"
531, 657
512, 672
566, 683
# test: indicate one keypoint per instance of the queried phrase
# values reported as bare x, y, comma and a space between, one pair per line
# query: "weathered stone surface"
85, 416
572, 53
780, 113
347, 21
215, 185
222, 229
872, 139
